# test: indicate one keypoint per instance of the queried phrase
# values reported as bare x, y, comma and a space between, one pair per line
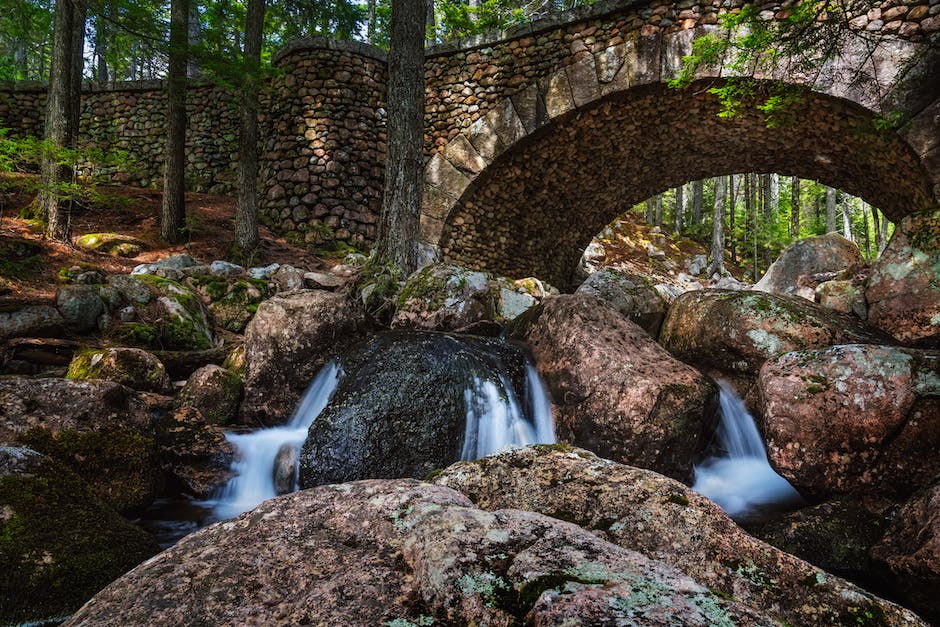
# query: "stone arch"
613, 106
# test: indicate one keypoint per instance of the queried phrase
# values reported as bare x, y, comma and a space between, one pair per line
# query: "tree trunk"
697, 189
795, 207
80, 9
732, 206
246, 209
370, 22
101, 49
194, 30
830, 210
431, 21
867, 233
650, 210
56, 210
678, 212
847, 219
718, 229
884, 234
397, 238
750, 208
877, 228
173, 214
659, 210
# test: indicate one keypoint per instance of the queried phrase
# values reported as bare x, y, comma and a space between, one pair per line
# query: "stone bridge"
539, 137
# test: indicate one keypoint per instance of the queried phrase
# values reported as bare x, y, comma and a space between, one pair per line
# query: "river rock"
909, 553
133, 367
287, 342
804, 258
100, 429
287, 278
844, 296
617, 392
215, 392
633, 295
666, 521
442, 297
401, 409
60, 543
80, 306
195, 454
904, 287
285, 469
31, 321
402, 552
732, 333
852, 418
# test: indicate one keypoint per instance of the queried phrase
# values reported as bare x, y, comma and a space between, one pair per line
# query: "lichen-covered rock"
909, 553
31, 321
100, 429
617, 392
732, 333
59, 544
666, 521
287, 278
633, 295
286, 344
844, 296
851, 418
80, 306
232, 301
111, 243
133, 367
194, 453
215, 392
401, 409
791, 273
442, 297
387, 552
133, 289
904, 288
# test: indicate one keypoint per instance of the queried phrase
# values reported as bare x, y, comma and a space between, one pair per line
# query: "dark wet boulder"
101, 430
820, 255
397, 553
616, 391
903, 290
59, 544
852, 418
194, 454
215, 392
401, 408
730, 334
287, 342
666, 521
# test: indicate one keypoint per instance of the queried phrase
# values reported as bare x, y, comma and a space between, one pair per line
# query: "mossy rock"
59, 544
233, 304
112, 244
215, 392
132, 367
236, 362
119, 464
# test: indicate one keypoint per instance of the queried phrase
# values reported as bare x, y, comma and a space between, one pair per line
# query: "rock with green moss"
903, 291
852, 418
633, 295
111, 243
101, 430
236, 362
183, 322
195, 454
233, 302
133, 367
215, 392
666, 521
730, 334
411, 551
443, 297
59, 544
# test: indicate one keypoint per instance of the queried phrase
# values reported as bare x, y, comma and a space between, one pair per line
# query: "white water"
496, 419
256, 452
741, 481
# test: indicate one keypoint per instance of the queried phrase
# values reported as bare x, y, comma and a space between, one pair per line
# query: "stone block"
582, 80
529, 105
485, 140
505, 121
463, 156
556, 91
430, 230
441, 173
435, 203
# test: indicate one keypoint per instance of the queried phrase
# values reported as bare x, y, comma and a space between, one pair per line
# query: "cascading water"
741, 480
257, 452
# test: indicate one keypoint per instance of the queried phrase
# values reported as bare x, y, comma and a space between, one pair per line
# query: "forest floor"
30, 265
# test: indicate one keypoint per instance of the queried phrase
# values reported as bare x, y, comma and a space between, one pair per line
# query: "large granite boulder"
851, 418
80, 306
31, 321
59, 544
287, 342
904, 287
401, 410
909, 553
215, 392
100, 429
616, 391
398, 553
730, 334
442, 297
133, 367
666, 521
798, 269
633, 295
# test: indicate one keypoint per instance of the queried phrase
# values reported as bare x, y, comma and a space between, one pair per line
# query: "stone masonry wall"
131, 117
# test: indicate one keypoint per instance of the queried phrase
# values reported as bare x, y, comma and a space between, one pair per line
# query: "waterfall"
496, 419
741, 480
256, 465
